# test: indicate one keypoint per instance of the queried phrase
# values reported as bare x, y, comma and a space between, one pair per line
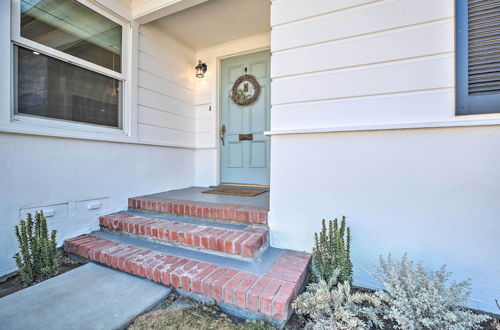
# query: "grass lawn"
196, 316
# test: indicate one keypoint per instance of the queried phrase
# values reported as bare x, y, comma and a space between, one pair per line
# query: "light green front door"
245, 150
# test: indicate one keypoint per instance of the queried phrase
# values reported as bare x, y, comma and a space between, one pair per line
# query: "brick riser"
224, 212
247, 243
270, 294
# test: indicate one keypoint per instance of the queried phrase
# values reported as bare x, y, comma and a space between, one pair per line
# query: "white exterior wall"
42, 167
352, 80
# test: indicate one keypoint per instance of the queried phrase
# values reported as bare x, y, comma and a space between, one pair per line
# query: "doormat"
235, 191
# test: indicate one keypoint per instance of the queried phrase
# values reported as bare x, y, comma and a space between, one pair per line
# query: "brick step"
207, 210
267, 294
246, 243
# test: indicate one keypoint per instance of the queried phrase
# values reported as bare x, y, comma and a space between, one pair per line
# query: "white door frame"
218, 101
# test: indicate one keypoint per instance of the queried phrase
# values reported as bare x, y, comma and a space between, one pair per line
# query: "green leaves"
331, 251
37, 259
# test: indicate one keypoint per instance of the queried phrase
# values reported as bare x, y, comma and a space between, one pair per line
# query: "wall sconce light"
201, 69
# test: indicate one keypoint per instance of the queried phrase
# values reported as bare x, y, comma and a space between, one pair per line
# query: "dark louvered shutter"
478, 56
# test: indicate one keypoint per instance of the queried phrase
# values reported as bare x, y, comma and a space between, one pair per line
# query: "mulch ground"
14, 283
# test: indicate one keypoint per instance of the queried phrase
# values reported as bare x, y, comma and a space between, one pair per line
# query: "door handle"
222, 133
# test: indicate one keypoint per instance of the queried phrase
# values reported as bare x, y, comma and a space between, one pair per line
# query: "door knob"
222, 133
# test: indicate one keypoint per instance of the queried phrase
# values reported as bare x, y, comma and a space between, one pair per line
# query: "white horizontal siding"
292, 10
163, 69
164, 119
330, 58
152, 133
396, 108
377, 17
163, 102
153, 82
166, 92
423, 74
205, 126
416, 41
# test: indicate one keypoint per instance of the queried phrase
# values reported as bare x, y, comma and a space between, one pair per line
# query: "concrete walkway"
89, 297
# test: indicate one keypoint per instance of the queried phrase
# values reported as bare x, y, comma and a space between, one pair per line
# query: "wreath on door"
245, 90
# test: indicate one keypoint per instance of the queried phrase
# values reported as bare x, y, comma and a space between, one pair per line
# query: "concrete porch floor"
196, 194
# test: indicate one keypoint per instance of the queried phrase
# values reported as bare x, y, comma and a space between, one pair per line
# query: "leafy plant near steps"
416, 299
331, 251
496, 323
37, 259
332, 305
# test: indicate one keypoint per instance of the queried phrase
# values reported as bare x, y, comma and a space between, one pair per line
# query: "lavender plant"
416, 299
332, 305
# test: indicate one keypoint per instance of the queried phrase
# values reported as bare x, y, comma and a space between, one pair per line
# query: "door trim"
218, 144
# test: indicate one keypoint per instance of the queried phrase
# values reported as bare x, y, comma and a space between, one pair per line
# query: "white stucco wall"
64, 173
43, 171
346, 74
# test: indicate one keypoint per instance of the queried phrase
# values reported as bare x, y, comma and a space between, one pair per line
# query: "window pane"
70, 27
52, 88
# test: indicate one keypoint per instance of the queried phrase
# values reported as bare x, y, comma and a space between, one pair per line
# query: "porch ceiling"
217, 21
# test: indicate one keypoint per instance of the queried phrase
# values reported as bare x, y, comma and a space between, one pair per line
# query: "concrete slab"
89, 297
196, 194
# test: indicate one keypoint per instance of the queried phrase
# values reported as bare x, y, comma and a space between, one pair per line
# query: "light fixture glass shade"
201, 69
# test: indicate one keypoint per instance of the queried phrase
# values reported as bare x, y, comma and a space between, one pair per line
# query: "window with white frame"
68, 62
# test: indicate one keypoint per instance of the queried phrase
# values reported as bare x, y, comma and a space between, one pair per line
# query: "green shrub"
416, 299
331, 251
37, 259
331, 305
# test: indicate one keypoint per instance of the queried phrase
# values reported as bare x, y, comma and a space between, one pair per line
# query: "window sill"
383, 127
25, 128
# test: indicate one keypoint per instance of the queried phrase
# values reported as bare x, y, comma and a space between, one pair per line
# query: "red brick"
230, 242
176, 274
252, 245
189, 275
206, 283
165, 272
237, 245
281, 303
166, 262
228, 294
267, 296
212, 239
205, 235
218, 285
221, 240
240, 293
284, 273
253, 296
262, 218
213, 213
197, 279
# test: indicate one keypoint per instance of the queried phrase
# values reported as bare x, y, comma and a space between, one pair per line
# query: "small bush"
331, 251
329, 305
417, 299
37, 259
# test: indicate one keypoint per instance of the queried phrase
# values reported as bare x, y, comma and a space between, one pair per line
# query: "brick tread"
227, 212
266, 294
245, 243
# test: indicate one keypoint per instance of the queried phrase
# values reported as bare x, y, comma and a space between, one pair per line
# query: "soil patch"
14, 283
